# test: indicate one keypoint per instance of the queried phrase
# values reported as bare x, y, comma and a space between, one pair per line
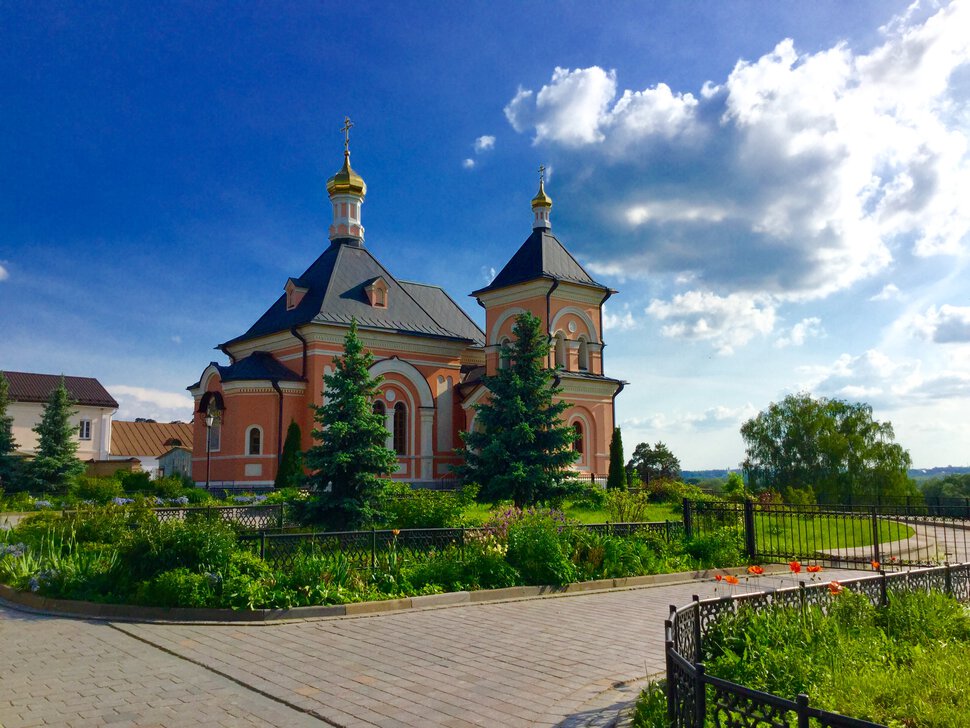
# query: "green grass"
478, 513
822, 533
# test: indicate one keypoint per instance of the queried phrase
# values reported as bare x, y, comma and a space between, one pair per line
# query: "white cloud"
725, 321
468, 164
4, 275
177, 339
797, 176
488, 273
484, 143
944, 325
888, 292
155, 404
804, 329
623, 321
713, 418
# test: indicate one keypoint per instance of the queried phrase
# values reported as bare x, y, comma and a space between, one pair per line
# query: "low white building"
93, 410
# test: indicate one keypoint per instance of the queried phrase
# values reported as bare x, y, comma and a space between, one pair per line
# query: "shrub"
407, 508
179, 587
98, 490
199, 545
136, 482
537, 549
590, 497
627, 506
720, 548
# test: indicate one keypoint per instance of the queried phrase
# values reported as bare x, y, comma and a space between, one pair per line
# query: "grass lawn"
478, 513
787, 534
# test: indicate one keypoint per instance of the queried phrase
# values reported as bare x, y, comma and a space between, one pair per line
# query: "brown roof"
149, 439
28, 387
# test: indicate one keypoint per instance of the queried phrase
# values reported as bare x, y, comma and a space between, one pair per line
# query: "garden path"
555, 661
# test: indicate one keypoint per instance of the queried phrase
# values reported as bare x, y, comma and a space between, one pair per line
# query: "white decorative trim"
409, 372
262, 442
579, 313
497, 326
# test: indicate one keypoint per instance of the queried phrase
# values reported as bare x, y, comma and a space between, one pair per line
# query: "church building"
430, 353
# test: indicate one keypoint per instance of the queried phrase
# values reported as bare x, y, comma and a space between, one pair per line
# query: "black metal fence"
367, 549
696, 699
843, 535
256, 517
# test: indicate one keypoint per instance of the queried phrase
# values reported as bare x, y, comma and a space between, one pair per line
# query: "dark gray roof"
259, 365
335, 294
444, 310
541, 256
30, 387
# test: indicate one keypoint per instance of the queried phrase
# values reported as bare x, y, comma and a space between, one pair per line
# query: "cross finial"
348, 125
542, 172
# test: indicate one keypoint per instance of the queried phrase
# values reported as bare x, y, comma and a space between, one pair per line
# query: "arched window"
578, 444
254, 440
583, 354
503, 357
379, 408
560, 350
400, 429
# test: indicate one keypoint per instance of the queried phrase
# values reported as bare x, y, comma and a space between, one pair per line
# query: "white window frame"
84, 429
249, 431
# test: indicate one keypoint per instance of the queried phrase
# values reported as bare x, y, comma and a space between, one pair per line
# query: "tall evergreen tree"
55, 466
524, 449
290, 472
9, 463
616, 479
349, 456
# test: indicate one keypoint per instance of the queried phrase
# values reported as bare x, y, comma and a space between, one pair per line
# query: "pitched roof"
29, 387
541, 256
335, 294
259, 365
444, 310
147, 438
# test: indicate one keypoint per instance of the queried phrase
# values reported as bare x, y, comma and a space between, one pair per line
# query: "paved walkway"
543, 662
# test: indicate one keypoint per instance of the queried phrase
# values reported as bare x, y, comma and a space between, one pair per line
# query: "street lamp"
209, 419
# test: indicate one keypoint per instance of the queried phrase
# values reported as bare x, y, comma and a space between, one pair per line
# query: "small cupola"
541, 204
376, 290
347, 191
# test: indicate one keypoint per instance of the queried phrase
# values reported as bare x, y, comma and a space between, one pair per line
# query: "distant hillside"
915, 474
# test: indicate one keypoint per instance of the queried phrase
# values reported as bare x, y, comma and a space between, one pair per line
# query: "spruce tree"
290, 472
55, 466
349, 456
616, 480
524, 449
9, 463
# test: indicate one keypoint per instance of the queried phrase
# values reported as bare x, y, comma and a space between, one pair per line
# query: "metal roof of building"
541, 256
335, 284
148, 439
30, 387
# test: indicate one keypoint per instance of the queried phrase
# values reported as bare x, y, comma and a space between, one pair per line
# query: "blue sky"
778, 190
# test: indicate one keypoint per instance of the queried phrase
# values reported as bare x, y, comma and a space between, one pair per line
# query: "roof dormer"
376, 290
294, 293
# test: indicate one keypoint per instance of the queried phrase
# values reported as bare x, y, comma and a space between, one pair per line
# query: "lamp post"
209, 419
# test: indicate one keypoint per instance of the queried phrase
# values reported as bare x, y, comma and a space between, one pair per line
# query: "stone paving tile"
568, 661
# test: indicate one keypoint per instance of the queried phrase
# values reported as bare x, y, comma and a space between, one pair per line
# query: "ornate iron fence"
843, 535
369, 548
255, 517
696, 699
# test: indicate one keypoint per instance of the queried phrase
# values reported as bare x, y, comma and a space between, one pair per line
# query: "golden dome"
541, 199
346, 181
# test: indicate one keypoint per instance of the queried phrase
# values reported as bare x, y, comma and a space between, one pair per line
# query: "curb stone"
188, 615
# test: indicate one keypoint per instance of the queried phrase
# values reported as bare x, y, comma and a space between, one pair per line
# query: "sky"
778, 191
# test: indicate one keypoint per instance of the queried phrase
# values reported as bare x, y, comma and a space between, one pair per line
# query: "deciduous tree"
833, 447
655, 463
523, 450
349, 459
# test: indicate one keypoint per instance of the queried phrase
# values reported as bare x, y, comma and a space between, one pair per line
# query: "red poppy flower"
756, 570
835, 587
718, 577
795, 567
875, 564
814, 569
732, 580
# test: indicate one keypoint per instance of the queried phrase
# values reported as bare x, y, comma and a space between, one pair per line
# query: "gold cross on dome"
348, 125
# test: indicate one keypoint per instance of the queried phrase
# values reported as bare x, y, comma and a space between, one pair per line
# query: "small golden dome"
541, 199
346, 181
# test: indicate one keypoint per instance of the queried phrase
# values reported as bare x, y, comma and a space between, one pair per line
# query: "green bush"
136, 482
198, 545
627, 506
98, 490
590, 497
407, 508
179, 587
720, 548
537, 548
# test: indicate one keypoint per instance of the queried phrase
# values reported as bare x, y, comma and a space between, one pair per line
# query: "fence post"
697, 629
373, 548
688, 519
875, 533
700, 696
801, 700
749, 540
262, 545
948, 582
282, 519
672, 700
